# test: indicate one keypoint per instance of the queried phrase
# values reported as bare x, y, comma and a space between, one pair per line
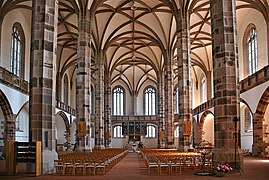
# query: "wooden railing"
13, 81
66, 108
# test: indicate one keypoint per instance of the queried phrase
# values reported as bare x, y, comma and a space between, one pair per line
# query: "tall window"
151, 131
252, 51
65, 93
203, 89
117, 132
118, 101
150, 101
17, 51
176, 96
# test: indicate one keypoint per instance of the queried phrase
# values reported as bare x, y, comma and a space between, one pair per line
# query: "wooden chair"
58, 167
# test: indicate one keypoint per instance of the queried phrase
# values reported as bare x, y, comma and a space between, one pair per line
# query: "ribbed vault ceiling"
133, 39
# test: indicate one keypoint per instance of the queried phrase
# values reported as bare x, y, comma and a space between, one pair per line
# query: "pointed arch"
5, 105
259, 145
201, 123
65, 119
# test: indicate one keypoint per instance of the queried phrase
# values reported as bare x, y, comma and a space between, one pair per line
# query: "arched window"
176, 132
65, 92
118, 101
176, 96
203, 89
150, 101
117, 132
151, 132
92, 100
17, 50
252, 51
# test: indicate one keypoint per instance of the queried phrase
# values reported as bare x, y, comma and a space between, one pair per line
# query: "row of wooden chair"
172, 162
88, 163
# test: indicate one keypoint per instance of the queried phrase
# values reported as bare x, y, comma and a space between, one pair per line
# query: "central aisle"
130, 166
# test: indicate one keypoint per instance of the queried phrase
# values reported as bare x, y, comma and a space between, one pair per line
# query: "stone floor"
132, 167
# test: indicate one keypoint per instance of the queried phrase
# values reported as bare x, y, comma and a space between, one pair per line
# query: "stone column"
184, 79
169, 105
9, 131
10, 128
160, 85
259, 145
59, 86
99, 101
134, 102
83, 75
42, 98
225, 76
108, 104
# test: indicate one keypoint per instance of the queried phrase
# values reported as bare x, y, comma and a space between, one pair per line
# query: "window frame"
203, 90
117, 132
66, 90
151, 132
148, 108
122, 99
176, 100
17, 57
252, 51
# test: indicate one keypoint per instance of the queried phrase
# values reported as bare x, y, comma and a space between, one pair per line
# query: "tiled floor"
132, 167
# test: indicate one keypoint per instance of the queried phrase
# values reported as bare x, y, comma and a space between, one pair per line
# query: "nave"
133, 167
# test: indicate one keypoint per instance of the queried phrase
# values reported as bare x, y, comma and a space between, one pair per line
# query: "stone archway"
67, 127
260, 147
10, 120
201, 123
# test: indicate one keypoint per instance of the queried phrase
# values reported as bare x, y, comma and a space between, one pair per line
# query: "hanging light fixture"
133, 7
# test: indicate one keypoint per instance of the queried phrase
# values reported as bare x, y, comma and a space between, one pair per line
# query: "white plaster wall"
246, 137
149, 142
119, 142
22, 16
176, 142
15, 98
253, 95
208, 129
73, 129
22, 135
246, 17
59, 129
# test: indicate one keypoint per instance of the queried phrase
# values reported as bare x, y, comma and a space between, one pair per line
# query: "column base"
48, 161
227, 156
